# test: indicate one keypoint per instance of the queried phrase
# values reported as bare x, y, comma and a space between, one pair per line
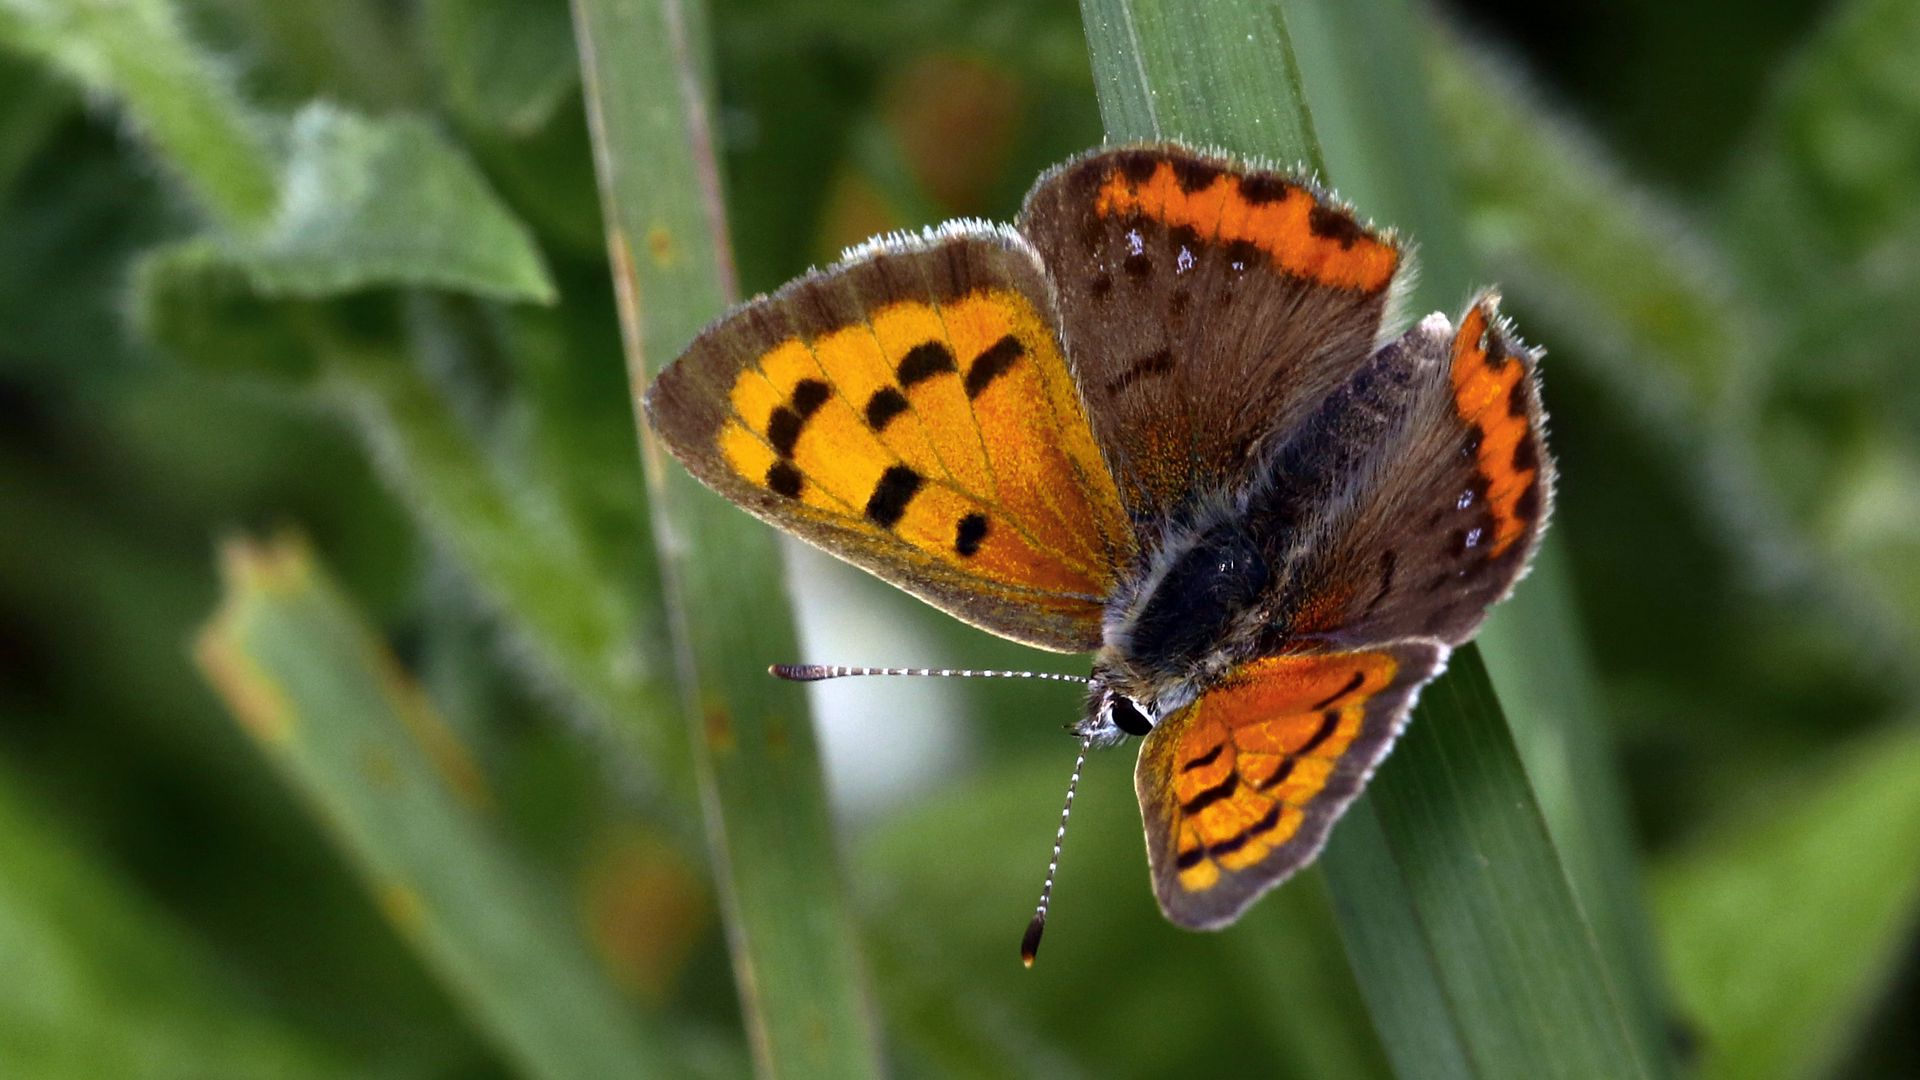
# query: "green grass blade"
1785, 926
310, 682
795, 952
1167, 71
1469, 943
1523, 987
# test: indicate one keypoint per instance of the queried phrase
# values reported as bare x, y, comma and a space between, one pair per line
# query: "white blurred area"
884, 740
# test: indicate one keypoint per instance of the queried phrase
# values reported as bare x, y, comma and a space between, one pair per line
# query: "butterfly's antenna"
817, 672
1030, 942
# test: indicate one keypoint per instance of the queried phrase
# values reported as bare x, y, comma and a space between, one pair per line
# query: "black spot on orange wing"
1352, 685
1139, 165
1190, 858
1517, 400
1279, 776
1263, 188
1194, 175
885, 404
1205, 759
896, 488
1245, 836
1224, 789
1527, 507
1328, 721
784, 480
809, 395
994, 361
924, 361
1526, 456
1330, 223
968, 533
783, 430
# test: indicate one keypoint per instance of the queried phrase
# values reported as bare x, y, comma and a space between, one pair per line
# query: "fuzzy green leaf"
387, 203
137, 54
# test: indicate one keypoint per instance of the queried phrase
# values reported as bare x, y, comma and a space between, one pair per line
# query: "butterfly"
1160, 420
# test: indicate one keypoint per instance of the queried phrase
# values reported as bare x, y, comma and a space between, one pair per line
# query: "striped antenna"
1030, 942
817, 672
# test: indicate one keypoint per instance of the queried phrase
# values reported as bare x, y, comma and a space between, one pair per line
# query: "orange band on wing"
1257, 750
1302, 235
1490, 392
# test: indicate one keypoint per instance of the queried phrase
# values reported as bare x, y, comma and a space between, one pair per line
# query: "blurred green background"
336, 270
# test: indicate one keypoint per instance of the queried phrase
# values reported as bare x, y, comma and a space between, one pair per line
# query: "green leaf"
137, 54
1472, 949
99, 984
197, 302
504, 64
386, 203
1785, 924
795, 953
309, 681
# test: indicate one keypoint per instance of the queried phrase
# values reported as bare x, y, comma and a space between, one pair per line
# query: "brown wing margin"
1239, 789
909, 410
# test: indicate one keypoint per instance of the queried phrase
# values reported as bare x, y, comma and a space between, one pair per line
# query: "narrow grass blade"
308, 680
1785, 925
795, 951
1469, 943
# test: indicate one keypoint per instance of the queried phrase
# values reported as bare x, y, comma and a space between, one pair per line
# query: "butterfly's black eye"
1127, 716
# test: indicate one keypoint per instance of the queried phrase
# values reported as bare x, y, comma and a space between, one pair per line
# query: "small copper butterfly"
1157, 420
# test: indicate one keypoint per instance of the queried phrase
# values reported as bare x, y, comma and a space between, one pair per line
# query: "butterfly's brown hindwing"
910, 411
1206, 306
1422, 539
1239, 788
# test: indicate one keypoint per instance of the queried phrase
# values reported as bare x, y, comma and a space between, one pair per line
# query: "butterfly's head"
1114, 711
